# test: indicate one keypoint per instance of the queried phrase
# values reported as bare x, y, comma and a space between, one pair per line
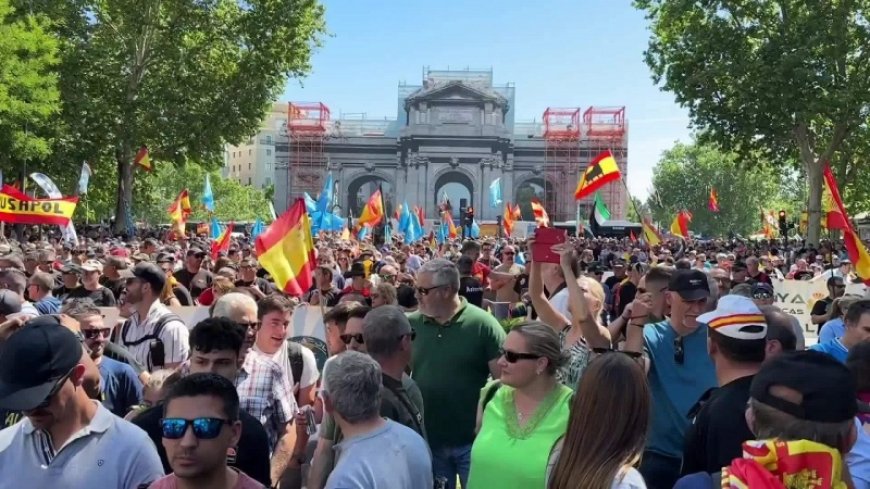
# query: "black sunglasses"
632, 354
203, 428
426, 290
346, 338
514, 357
91, 334
255, 325
679, 352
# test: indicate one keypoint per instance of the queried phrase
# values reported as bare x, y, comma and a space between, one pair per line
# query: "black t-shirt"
627, 291
115, 285
183, 295
612, 281
716, 436
101, 297
196, 283
472, 290
252, 454
259, 282
819, 308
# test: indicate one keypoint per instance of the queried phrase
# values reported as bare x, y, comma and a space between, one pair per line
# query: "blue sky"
559, 53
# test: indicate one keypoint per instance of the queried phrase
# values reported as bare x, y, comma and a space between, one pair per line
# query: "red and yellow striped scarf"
775, 464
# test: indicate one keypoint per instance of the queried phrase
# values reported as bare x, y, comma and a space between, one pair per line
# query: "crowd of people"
468, 364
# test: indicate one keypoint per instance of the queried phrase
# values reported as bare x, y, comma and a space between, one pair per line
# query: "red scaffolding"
604, 129
562, 163
307, 130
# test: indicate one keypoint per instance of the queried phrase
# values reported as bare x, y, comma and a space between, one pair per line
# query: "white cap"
736, 317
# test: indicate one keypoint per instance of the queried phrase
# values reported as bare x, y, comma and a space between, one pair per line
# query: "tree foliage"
182, 77
29, 94
686, 173
787, 79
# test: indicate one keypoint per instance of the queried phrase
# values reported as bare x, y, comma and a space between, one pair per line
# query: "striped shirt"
174, 337
266, 394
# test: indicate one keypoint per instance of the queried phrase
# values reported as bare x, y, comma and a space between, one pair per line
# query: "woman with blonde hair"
606, 430
384, 294
523, 414
573, 309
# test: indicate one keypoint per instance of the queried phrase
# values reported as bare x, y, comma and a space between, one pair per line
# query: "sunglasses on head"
92, 334
346, 338
203, 428
514, 357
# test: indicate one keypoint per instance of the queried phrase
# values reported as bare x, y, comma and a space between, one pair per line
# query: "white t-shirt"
176, 346
309, 367
560, 303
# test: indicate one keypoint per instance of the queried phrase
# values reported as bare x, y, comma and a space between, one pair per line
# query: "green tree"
29, 94
684, 177
636, 206
786, 79
181, 77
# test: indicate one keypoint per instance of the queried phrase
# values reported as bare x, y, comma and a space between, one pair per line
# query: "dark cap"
690, 284
10, 303
33, 360
165, 258
151, 274
196, 252
827, 388
761, 289
70, 267
357, 269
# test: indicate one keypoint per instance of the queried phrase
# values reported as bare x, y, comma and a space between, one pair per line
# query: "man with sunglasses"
200, 424
679, 369
66, 439
737, 340
193, 276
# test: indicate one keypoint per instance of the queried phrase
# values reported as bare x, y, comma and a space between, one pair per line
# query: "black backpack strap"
297, 363
410, 407
489, 394
161, 324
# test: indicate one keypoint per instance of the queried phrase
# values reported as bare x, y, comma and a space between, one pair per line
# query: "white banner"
797, 297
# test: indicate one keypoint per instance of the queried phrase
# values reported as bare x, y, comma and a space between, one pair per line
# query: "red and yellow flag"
540, 213
775, 464
508, 219
601, 171
451, 227
222, 243
286, 250
713, 202
517, 214
680, 225
854, 246
650, 234
179, 209
373, 212
19, 208
143, 159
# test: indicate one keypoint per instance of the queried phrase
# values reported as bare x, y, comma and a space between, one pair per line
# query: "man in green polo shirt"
456, 349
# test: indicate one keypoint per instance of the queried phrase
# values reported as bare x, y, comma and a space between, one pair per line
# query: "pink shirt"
169, 482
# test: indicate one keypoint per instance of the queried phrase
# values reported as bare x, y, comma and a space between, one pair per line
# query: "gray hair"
743, 290
383, 328
444, 272
544, 341
231, 305
352, 383
713, 301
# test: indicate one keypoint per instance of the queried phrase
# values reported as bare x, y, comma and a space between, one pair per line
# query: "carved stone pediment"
455, 91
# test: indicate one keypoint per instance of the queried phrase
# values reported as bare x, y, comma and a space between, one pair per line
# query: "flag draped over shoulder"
854, 246
680, 225
286, 250
713, 201
601, 171
541, 217
373, 211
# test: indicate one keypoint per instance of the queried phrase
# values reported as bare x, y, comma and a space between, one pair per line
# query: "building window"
268, 152
250, 151
268, 141
249, 165
249, 180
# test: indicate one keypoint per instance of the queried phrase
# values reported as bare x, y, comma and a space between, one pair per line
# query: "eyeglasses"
203, 428
255, 325
761, 295
514, 357
679, 352
54, 390
632, 354
92, 334
346, 338
426, 290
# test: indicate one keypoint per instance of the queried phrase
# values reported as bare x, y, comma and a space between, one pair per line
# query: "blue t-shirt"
831, 330
834, 348
675, 387
858, 458
119, 385
49, 305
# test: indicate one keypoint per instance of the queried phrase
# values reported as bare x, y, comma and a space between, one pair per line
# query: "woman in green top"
521, 421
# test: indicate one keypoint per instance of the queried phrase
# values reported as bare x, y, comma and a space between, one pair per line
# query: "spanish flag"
650, 233
713, 202
222, 243
540, 213
373, 212
517, 214
854, 247
508, 219
680, 226
179, 211
286, 250
601, 171
143, 159
831, 216
451, 227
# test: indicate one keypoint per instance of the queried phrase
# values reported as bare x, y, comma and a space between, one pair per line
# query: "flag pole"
627, 192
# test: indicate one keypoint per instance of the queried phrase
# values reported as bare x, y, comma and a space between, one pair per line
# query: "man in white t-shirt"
297, 361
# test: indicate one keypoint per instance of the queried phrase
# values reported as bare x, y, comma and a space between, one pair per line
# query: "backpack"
156, 350
297, 363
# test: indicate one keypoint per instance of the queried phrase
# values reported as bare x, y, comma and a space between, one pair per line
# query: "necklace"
521, 425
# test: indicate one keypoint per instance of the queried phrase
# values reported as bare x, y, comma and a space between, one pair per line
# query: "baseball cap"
690, 284
196, 252
150, 273
761, 289
70, 267
33, 360
10, 303
736, 317
92, 266
826, 386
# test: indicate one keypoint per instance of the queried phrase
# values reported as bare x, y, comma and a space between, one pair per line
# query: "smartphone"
545, 238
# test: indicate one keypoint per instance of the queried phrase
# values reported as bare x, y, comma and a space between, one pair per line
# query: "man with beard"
66, 439
195, 278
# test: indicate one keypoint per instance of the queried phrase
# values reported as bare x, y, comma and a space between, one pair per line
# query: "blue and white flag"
50, 189
84, 178
207, 195
520, 258
258, 228
415, 229
388, 235
310, 204
404, 218
475, 229
363, 232
495, 194
215, 229
324, 202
